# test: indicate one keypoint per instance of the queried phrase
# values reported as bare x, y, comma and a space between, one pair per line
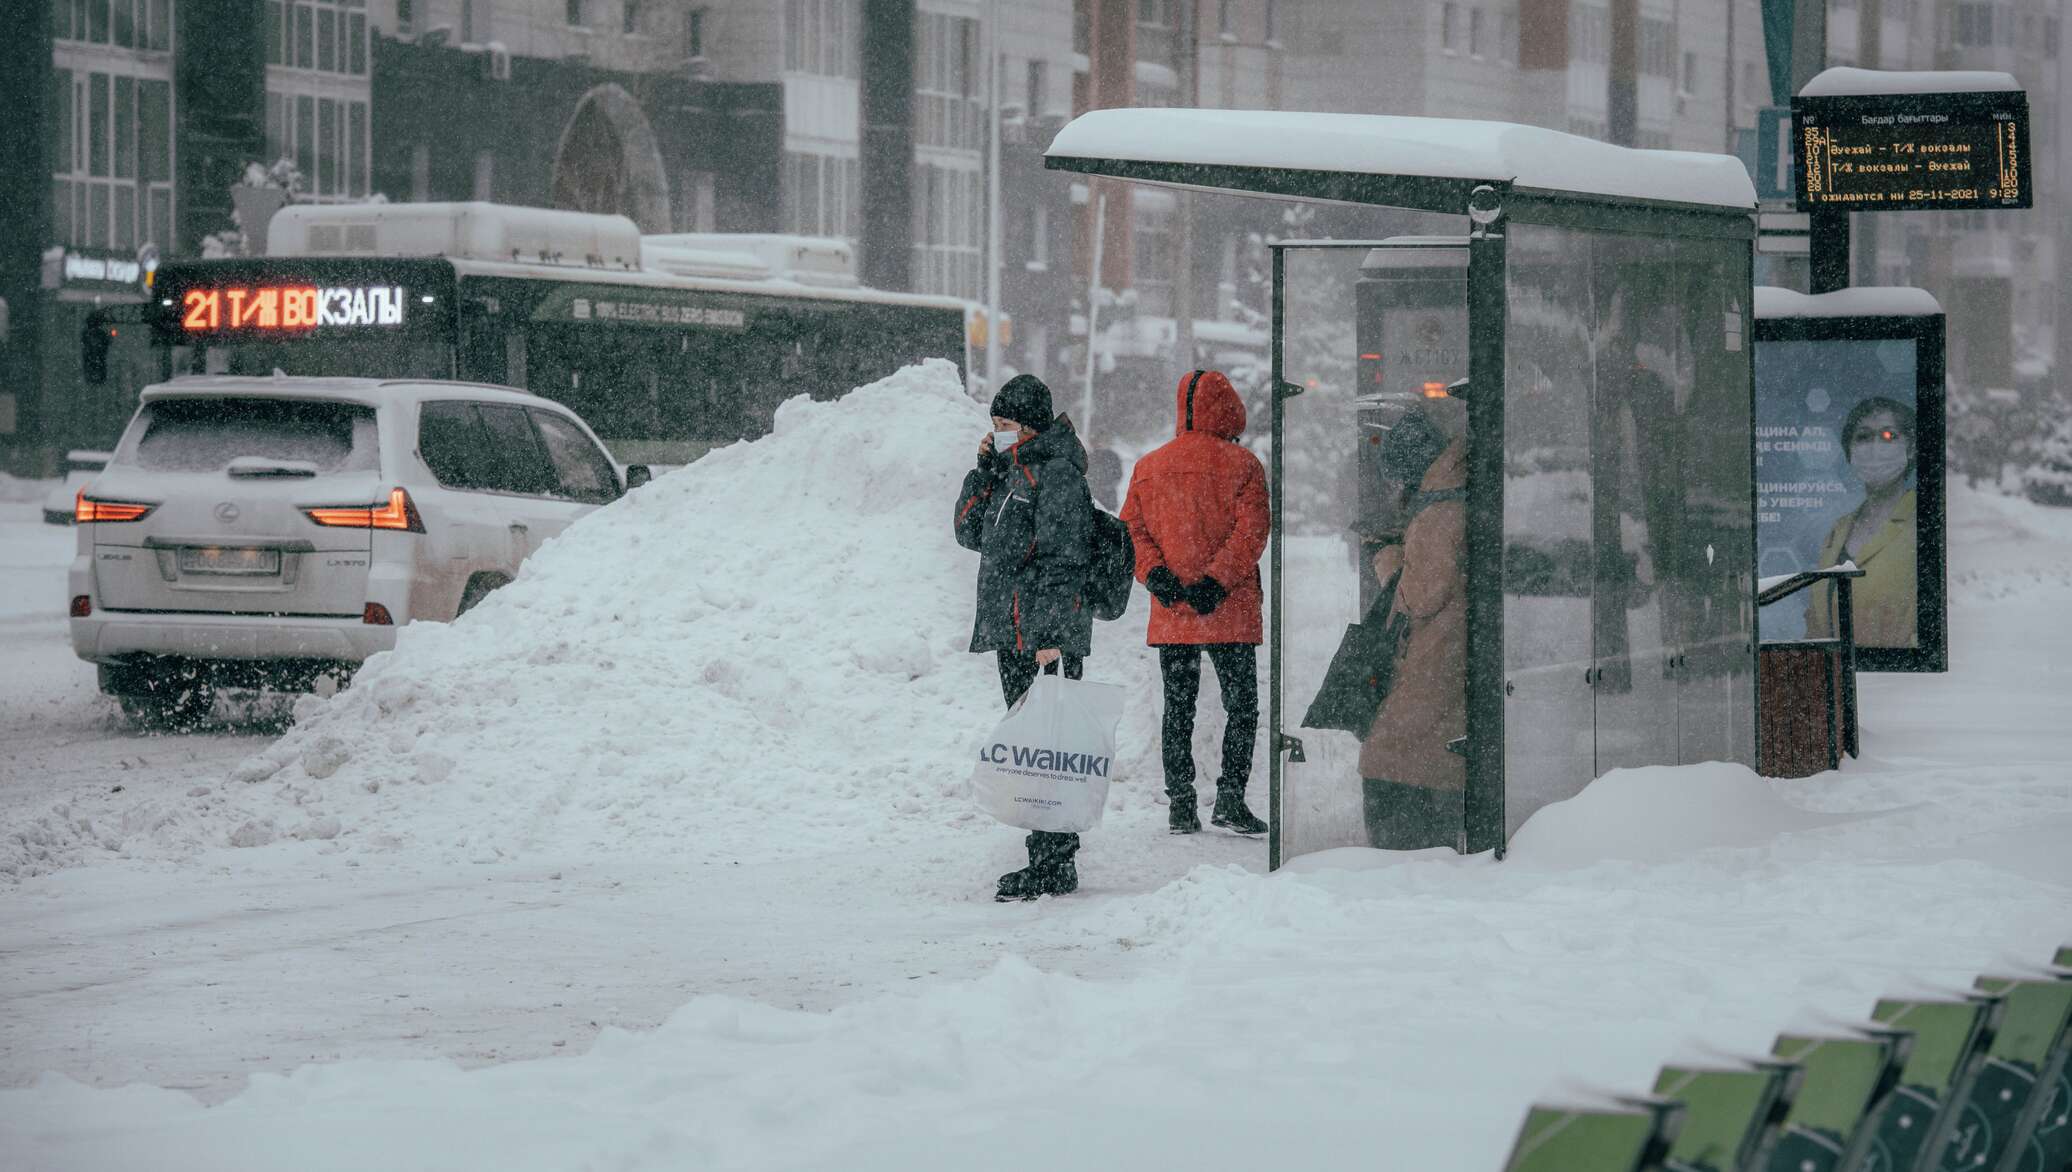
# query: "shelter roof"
1386, 159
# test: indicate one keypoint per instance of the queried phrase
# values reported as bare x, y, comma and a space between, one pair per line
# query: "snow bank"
1661, 814
761, 654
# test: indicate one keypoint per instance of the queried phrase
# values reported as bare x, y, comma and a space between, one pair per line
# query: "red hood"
1215, 407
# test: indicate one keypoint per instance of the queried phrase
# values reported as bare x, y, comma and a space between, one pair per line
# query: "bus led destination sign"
1912, 152
291, 307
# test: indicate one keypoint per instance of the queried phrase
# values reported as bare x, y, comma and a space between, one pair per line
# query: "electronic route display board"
1912, 152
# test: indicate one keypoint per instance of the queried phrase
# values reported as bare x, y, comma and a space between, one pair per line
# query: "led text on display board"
1906, 152
291, 307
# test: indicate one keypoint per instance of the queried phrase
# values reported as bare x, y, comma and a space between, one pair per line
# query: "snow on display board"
1439, 148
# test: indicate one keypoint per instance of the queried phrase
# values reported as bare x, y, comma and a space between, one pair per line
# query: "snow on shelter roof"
1418, 162
1842, 81
1867, 301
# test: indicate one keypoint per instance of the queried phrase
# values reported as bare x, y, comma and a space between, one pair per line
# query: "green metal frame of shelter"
1490, 205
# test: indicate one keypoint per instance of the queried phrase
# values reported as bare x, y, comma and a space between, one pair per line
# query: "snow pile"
15, 490
1661, 814
763, 653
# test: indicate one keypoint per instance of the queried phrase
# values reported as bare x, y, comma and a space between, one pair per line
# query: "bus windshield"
353, 357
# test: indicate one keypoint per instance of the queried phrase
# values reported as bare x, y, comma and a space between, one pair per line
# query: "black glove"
1206, 595
1164, 585
988, 459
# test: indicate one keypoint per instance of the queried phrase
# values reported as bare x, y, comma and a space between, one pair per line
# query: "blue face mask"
1879, 462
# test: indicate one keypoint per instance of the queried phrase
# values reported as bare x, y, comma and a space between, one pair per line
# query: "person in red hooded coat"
1197, 514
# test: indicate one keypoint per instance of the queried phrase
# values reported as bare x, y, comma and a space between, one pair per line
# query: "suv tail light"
82, 606
376, 615
88, 511
396, 513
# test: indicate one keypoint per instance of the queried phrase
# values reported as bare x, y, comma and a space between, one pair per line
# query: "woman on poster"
1879, 536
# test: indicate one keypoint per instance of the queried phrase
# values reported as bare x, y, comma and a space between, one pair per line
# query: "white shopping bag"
1047, 766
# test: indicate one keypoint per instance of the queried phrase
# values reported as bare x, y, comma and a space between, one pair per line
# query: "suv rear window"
205, 435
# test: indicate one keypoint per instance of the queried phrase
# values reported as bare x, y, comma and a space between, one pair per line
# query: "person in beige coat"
1412, 783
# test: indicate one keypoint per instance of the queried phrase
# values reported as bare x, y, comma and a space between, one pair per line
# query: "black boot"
1051, 870
1183, 816
1232, 814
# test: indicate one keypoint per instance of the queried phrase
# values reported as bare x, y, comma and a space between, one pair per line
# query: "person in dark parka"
1026, 510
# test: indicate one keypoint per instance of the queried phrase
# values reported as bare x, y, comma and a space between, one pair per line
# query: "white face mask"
1003, 440
1879, 462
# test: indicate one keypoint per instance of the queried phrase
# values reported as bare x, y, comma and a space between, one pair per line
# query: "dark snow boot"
1231, 814
1038, 879
1051, 870
1183, 816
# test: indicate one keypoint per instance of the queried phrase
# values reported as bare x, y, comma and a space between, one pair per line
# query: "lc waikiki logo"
1044, 760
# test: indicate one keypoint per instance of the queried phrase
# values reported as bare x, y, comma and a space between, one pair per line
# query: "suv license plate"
220, 560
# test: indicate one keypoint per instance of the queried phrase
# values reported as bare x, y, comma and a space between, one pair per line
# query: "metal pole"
993, 200
1828, 239
1093, 316
1275, 762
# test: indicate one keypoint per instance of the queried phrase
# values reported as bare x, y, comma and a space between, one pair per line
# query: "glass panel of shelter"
1373, 337
1627, 550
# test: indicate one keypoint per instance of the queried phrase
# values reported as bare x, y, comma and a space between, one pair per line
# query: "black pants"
1017, 672
1237, 673
1405, 817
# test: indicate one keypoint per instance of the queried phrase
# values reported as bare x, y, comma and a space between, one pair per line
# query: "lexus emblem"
227, 512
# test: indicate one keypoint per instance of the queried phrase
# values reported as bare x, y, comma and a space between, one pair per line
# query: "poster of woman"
1848, 465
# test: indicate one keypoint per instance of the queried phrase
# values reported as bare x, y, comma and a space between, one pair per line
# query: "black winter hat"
1025, 400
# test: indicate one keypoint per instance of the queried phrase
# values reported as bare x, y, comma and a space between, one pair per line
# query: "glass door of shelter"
1372, 334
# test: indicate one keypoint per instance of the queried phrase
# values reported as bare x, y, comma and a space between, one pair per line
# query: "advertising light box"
1849, 458
1911, 152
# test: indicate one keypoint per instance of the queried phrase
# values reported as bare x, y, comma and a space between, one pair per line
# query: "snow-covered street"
660, 858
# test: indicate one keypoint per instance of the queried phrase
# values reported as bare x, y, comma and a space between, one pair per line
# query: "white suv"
269, 532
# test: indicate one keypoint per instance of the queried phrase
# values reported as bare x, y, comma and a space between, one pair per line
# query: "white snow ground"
658, 860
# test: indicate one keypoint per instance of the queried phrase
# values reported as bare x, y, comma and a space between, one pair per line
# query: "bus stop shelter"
1607, 436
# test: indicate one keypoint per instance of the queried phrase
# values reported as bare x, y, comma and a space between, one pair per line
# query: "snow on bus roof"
1842, 82
1380, 144
1868, 301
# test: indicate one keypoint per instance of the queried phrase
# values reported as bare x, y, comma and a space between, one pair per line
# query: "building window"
1449, 27
112, 160
1038, 98
1690, 73
406, 17
126, 24
1223, 28
1974, 25
947, 110
467, 22
823, 195
1507, 39
1475, 35
325, 137
629, 17
948, 226
1039, 236
694, 33
574, 12
1158, 32
485, 175
1151, 253
1273, 22
329, 36
822, 37
1657, 48
420, 173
